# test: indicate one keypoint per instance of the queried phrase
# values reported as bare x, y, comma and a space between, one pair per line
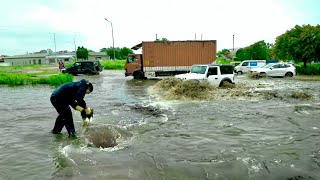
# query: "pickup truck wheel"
224, 82
239, 72
138, 75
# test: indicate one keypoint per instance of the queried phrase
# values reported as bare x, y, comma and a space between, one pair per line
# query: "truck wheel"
138, 75
239, 72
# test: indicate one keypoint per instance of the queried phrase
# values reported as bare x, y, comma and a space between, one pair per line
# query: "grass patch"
32, 74
113, 65
28, 68
221, 60
13, 79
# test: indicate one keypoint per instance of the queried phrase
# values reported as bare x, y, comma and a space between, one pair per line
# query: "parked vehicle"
88, 67
215, 74
261, 71
168, 58
246, 65
275, 70
235, 63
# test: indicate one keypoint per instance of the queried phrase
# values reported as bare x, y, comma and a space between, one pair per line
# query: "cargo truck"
168, 58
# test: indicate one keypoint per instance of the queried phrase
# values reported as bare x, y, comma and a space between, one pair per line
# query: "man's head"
88, 85
89, 88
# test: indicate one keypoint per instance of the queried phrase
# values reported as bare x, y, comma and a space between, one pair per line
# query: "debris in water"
101, 136
176, 89
301, 95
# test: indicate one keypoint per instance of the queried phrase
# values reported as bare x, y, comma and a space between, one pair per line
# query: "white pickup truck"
215, 74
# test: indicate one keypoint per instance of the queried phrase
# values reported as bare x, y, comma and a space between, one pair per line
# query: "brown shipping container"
178, 53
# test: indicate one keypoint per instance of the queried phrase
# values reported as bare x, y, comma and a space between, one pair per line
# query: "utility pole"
233, 42
75, 47
233, 48
55, 47
114, 51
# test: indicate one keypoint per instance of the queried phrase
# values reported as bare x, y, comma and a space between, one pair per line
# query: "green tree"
82, 53
258, 50
120, 53
242, 54
301, 43
110, 52
222, 52
124, 52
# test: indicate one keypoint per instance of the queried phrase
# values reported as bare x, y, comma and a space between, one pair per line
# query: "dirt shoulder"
307, 77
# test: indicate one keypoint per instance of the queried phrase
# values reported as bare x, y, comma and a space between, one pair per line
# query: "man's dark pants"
64, 118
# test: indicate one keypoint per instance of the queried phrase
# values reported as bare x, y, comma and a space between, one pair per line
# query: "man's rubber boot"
55, 132
73, 135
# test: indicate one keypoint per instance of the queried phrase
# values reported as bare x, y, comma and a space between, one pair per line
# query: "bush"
114, 65
312, 69
24, 79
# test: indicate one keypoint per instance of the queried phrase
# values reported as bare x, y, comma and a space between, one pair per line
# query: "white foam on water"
252, 164
65, 151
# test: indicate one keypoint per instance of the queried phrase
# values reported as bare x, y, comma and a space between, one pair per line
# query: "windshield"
199, 69
267, 65
131, 59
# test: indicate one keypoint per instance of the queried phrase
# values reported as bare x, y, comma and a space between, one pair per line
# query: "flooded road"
262, 129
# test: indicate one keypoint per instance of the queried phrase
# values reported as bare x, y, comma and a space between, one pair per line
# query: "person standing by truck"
70, 94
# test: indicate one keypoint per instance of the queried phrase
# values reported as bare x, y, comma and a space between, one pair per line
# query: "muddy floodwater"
266, 128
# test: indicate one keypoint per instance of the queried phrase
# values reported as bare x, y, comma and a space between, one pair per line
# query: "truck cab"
133, 66
215, 74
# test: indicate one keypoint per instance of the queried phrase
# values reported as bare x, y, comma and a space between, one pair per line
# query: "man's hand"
79, 108
88, 110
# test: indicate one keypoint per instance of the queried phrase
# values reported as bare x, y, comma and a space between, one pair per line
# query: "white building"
46, 58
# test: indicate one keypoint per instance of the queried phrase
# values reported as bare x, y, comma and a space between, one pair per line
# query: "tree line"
120, 53
301, 44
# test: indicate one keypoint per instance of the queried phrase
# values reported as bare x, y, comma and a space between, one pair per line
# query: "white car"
275, 70
261, 71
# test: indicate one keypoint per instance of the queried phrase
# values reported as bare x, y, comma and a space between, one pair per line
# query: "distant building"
98, 56
26, 59
45, 58
54, 59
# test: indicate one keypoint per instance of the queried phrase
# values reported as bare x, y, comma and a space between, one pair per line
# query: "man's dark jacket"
71, 93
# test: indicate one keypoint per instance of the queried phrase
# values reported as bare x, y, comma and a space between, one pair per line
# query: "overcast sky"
33, 25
